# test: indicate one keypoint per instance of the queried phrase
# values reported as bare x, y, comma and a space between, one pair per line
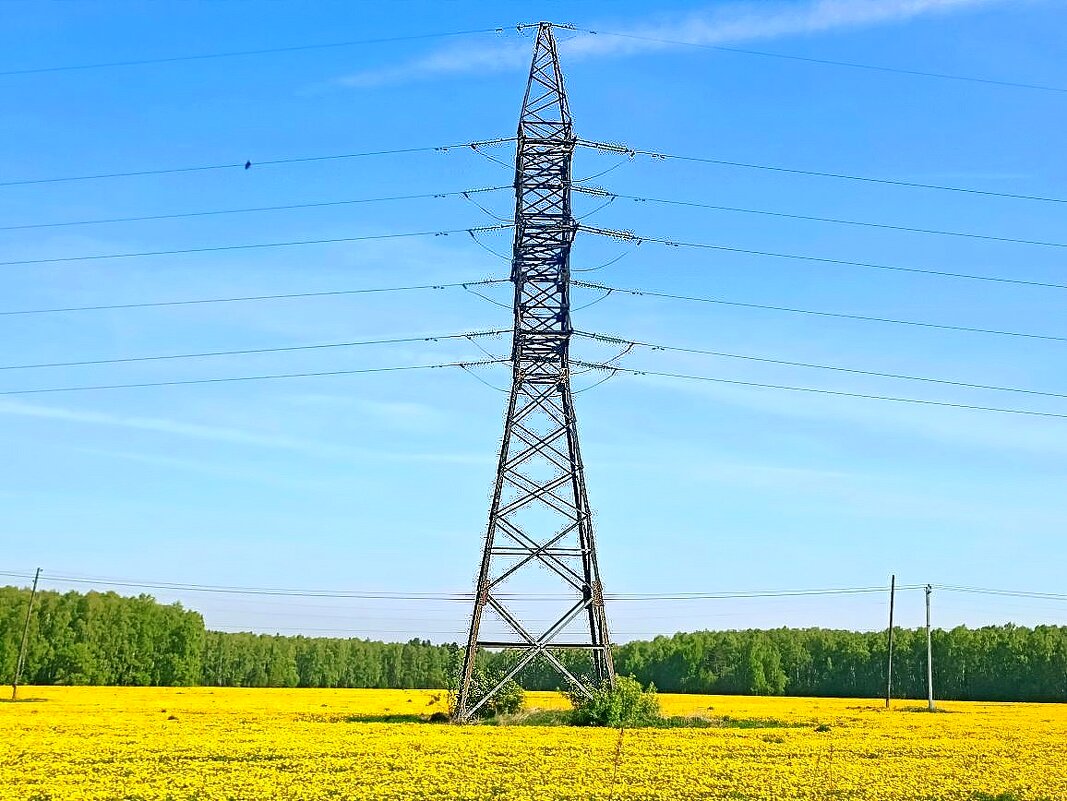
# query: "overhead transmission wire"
1049, 596
228, 590
603, 265
478, 334
607, 290
489, 156
250, 246
485, 210
252, 209
612, 147
486, 298
816, 312
255, 298
818, 391
499, 29
598, 192
253, 52
237, 628
470, 335
828, 62
481, 380
603, 193
627, 348
638, 239
473, 336
447, 596
494, 356
466, 595
248, 164
685, 596
657, 346
466, 366
624, 235
488, 249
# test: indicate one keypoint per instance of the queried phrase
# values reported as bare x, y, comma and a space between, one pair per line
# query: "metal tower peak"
544, 108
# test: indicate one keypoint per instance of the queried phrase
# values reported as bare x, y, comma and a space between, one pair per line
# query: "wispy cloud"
206, 467
407, 415
156, 424
232, 435
734, 23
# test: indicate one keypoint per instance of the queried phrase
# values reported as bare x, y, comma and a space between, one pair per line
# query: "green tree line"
106, 638
100, 638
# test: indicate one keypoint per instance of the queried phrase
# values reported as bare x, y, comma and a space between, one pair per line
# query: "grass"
389, 718
727, 722
563, 717
531, 717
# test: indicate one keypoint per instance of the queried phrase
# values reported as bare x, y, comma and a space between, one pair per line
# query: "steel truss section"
540, 515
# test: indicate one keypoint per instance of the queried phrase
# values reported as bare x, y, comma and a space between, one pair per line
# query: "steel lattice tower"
540, 512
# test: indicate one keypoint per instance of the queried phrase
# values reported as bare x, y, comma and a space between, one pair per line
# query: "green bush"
507, 701
625, 705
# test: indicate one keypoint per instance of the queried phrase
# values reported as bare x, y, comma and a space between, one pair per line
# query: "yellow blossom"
216, 744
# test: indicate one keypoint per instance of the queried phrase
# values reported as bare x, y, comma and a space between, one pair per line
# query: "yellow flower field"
204, 743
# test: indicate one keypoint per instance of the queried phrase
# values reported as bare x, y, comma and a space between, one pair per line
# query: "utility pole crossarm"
539, 516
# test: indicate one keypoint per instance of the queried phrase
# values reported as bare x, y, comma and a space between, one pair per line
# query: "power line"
765, 360
500, 30
250, 246
817, 313
659, 156
789, 388
486, 211
256, 298
1048, 596
232, 379
465, 596
443, 596
831, 62
608, 290
833, 220
630, 236
252, 351
227, 590
255, 52
215, 212
236, 628
418, 633
248, 164
696, 596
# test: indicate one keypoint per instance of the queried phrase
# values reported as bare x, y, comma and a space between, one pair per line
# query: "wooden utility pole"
929, 656
889, 669
25, 634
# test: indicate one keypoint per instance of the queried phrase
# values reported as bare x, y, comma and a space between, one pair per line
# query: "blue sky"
381, 482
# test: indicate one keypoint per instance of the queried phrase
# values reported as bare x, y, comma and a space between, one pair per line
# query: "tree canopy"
106, 638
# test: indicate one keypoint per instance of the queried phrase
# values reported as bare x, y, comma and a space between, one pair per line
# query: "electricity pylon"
540, 512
